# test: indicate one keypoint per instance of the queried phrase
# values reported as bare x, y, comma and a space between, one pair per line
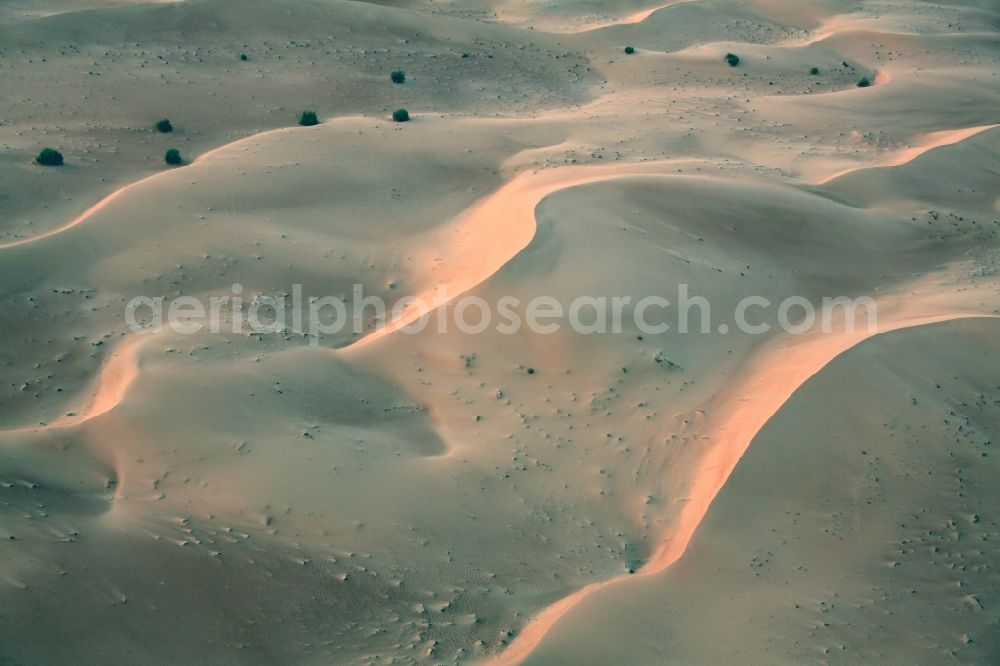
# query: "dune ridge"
118, 193
502, 224
632, 19
450, 497
111, 385
923, 143
489, 221
745, 419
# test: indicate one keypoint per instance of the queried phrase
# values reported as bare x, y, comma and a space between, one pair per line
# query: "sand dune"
389, 495
637, 17
83, 217
120, 370
801, 500
737, 428
924, 143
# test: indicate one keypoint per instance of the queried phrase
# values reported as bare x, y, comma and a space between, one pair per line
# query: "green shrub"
814, 71
172, 157
864, 83
732, 59
243, 57
398, 76
164, 126
629, 50
308, 119
49, 157
400, 115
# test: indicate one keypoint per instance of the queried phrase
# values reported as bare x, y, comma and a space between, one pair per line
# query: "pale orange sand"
377, 495
922, 144
762, 392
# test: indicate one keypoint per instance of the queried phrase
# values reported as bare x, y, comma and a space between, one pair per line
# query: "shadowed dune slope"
367, 494
860, 525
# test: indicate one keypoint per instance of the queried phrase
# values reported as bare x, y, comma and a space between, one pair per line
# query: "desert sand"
389, 496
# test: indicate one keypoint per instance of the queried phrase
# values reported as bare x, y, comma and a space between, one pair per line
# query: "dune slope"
379, 495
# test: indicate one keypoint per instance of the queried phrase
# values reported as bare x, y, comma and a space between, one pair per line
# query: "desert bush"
164, 126
172, 157
398, 76
732, 59
400, 115
49, 157
814, 71
864, 83
629, 50
243, 57
308, 119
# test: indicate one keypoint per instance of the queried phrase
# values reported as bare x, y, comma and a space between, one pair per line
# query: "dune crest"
922, 144
291, 473
632, 19
123, 190
759, 396
487, 236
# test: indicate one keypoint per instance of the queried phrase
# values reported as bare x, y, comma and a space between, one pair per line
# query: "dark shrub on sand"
49, 157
